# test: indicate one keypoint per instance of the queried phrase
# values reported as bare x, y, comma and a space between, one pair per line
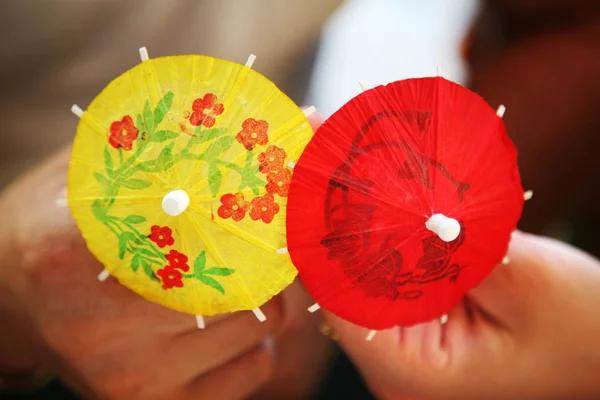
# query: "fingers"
538, 267
199, 351
237, 379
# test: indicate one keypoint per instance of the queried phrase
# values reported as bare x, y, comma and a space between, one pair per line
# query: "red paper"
369, 180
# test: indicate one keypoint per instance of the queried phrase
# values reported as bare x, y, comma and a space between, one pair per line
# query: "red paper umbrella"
403, 201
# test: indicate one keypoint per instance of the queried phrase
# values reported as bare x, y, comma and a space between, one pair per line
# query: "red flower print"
178, 260
205, 110
271, 160
170, 277
264, 208
123, 133
161, 235
253, 132
279, 183
234, 206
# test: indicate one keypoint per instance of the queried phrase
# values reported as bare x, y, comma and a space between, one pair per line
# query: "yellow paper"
217, 130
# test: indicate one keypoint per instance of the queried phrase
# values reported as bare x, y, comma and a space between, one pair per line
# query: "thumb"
543, 277
538, 268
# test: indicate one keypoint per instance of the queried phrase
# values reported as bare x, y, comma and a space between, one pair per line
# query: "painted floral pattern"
279, 182
254, 132
205, 111
155, 249
271, 161
161, 235
170, 277
233, 206
123, 133
178, 260
264, 208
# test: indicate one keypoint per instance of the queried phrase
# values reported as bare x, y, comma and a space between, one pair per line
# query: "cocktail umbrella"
178, 182
404, 199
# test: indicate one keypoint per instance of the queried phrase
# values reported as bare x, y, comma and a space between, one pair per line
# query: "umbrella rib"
235, 231
215, 254
148, 65
299, 119
132, 200
239, 82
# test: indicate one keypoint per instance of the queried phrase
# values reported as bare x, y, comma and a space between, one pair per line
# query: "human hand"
109, 343
103, 339
529, 331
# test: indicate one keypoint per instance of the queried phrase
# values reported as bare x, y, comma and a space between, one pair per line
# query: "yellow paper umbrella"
178, 180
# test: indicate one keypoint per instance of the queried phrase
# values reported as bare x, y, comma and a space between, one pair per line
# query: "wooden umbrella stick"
314, 308
251, 59
102, 276
259, 315
371, 335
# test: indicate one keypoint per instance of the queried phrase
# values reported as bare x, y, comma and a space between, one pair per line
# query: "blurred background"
381, 41
541, 58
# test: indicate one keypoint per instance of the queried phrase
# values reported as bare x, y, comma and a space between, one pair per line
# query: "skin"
529, 331
108, 343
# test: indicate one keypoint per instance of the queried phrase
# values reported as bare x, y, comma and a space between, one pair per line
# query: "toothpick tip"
505, 260
102, 276
62, 203
528, 195
291, 164
501, 110
144, 54
371, 335
314, 308
283, 250
200, 322
310, 110
363, 86
75, 109
259, 315
444, 319
250, 61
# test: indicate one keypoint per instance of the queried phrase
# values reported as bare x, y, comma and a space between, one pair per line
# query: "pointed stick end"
62, 202
501, 110
310, 110
75, 109
250, 61
144, 54
259, 315
102, 276
314, 308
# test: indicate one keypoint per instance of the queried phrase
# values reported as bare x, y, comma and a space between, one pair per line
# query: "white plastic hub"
446, 228
175, 202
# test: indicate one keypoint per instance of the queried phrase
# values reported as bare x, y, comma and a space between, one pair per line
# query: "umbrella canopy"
404, 199
178, 182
